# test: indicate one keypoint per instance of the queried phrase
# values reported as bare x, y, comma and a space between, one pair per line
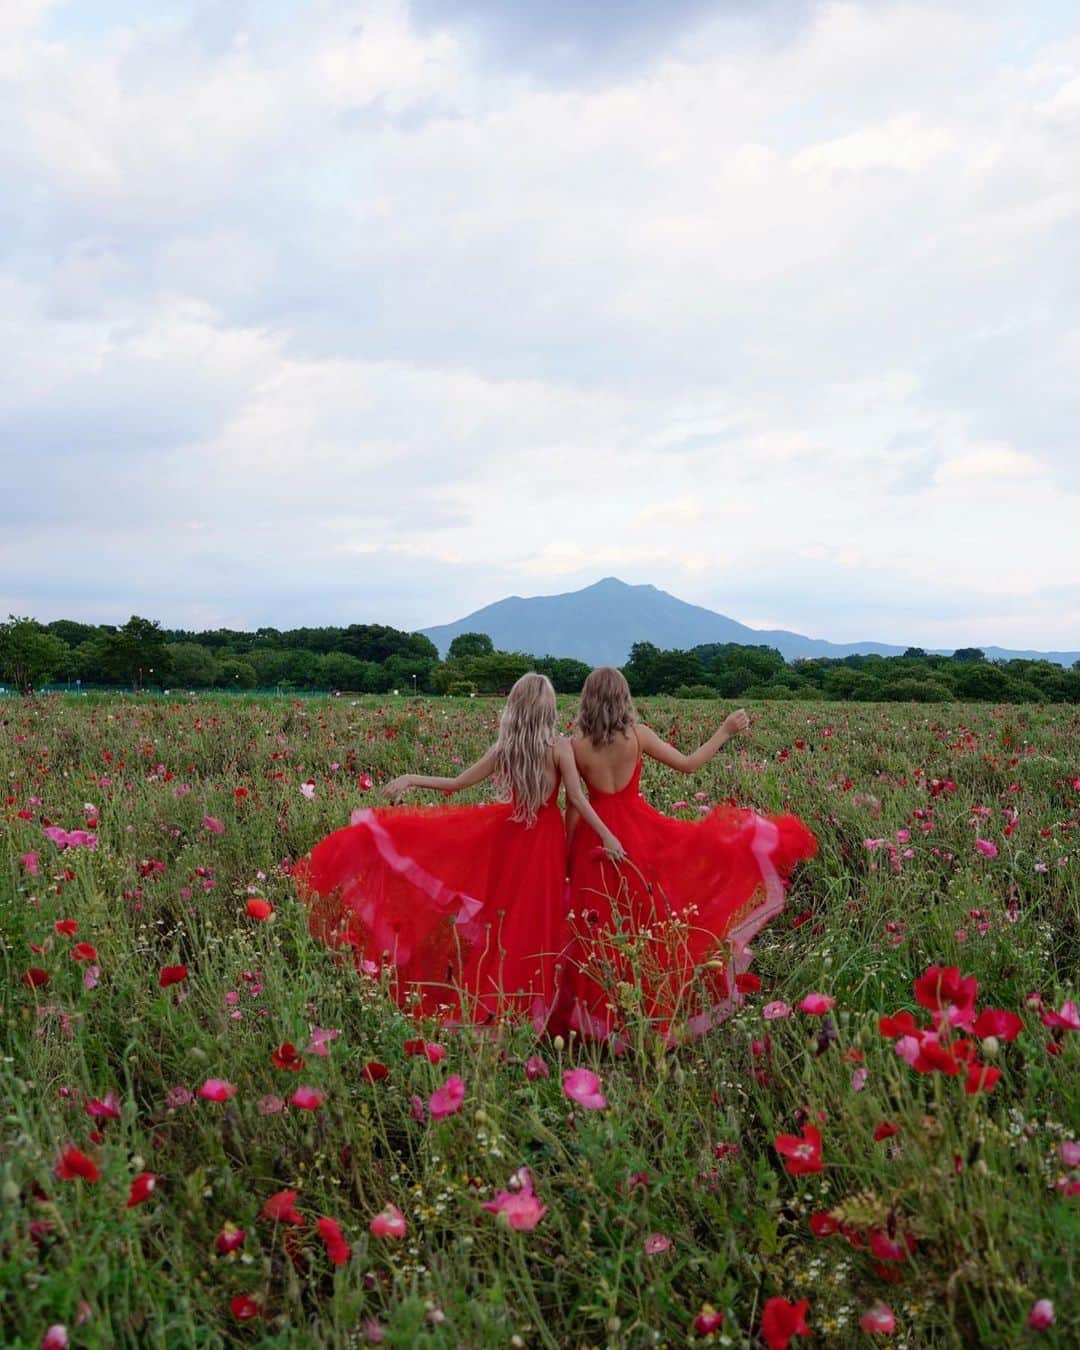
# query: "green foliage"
137, 654
29, 655
470, 644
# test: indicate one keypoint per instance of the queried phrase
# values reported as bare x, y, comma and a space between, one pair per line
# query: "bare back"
607, 768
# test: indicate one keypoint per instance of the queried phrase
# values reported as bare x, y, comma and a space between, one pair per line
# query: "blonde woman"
666, 932
464, 906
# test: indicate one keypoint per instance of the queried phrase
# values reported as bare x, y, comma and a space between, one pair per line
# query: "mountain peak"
601, 622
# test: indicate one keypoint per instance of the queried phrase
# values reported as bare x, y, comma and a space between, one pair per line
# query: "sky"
336, 311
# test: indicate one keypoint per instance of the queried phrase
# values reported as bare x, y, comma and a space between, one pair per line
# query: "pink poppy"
987, 848
774, 1011
536, 1067
1041, 1315
656, 1243
320, 1039
1068, 1019
55, 1338
307, 1098
446, 1100
879, 1318
104, 1108
389, 1223
30, 866
816, 1004
583, 1086
520, 1207
217, 1090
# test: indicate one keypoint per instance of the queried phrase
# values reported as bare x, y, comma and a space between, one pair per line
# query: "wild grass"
685, 1148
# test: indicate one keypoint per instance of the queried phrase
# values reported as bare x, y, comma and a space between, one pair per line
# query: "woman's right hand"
614, 849
737, 723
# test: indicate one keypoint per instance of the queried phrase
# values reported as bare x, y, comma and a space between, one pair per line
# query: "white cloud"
353, 318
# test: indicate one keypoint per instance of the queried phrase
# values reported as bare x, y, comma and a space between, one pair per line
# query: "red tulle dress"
462, 907
664, 935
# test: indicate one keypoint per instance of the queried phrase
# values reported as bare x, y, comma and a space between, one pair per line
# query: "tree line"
376, 659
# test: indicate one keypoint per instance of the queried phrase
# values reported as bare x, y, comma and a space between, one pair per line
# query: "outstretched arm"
475, 773
735, 724
576, 799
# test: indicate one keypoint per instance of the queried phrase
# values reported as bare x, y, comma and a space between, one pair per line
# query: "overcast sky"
322, 311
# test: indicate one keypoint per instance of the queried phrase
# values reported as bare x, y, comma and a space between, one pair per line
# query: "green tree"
640, 668
28, 654
192, 664
470, 644
566, 674
232, 673
136, 654
339, 670
969, 654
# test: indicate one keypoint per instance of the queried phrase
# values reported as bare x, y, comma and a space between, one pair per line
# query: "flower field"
215, 1132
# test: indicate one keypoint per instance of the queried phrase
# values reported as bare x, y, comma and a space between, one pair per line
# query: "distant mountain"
600, 624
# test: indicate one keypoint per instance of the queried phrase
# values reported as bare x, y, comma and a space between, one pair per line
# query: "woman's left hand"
397, 787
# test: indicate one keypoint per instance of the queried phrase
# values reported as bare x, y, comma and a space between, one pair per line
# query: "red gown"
463, 906
665, 934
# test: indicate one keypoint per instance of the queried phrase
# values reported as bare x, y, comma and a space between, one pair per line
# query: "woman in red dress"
463, 906
664, 934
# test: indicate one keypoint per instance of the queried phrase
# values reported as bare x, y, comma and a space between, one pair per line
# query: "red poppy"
244, 1308
104, 1108
981, 1078
240, 793
899, 1024
286, 1057
66, 927
281, 1208
781, 1320
337, 1249
708, 1320
937, 1056
258, 908
885, 1130
83, 951
943, 988
823, 1225
169, 975
748, 983
35, 977
374, 1071
229, 1239
142, 1188
886, 1248
801, 1153
75, 1164
1006, 1026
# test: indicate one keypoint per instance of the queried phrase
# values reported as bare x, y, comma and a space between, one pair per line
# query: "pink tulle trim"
438, 892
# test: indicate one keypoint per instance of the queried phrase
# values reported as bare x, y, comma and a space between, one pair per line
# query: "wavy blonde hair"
606, 709
526, 735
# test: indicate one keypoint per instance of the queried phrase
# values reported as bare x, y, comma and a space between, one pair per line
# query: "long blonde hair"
606, 709
526, 735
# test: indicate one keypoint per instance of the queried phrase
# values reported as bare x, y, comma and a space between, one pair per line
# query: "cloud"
406, 307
